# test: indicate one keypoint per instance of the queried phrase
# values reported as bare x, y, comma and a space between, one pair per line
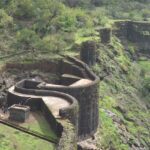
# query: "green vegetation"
108, 128
56, 26
11, 139
40, 125
39, 29
67, 140
110, 136
145, 66
124, 93
86, 34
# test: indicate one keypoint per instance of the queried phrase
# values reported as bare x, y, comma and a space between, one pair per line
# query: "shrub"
26, 38
74, 3
22, 9
66, 21
100, 17
83, 19
5, 19
47, 12
51, 44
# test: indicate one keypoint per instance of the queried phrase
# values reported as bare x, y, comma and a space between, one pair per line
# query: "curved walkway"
53, 103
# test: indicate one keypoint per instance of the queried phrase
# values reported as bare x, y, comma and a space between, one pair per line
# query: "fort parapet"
75, 79
134, 31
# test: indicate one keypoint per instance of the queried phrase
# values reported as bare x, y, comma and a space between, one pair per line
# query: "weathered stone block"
105, 34
88, 52
19, 112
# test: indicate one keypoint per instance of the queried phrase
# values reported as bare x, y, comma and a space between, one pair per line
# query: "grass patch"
40, 125
110, 136
12, 139
145, 65
86, 35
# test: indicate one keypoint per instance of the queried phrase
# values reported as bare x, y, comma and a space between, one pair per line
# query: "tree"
5, 19
26, 38
46, 12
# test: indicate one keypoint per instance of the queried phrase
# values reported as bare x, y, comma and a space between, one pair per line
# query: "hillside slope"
124, 99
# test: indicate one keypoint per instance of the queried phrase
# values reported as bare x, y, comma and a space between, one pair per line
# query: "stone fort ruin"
73, 97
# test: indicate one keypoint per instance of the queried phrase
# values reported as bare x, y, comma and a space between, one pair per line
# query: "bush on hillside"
53, 44
21, 9
5, 19
26, 38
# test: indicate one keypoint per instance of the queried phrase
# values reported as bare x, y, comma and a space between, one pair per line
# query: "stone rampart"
86, 94
136, 32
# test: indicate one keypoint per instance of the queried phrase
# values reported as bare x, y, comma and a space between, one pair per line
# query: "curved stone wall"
20, 93
82, 84
86, 94
69, 115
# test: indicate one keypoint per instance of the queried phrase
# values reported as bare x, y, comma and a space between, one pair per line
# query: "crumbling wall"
68, 138
136, 32
139, 33
105, 35
120, 29
42, 65
88, 52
